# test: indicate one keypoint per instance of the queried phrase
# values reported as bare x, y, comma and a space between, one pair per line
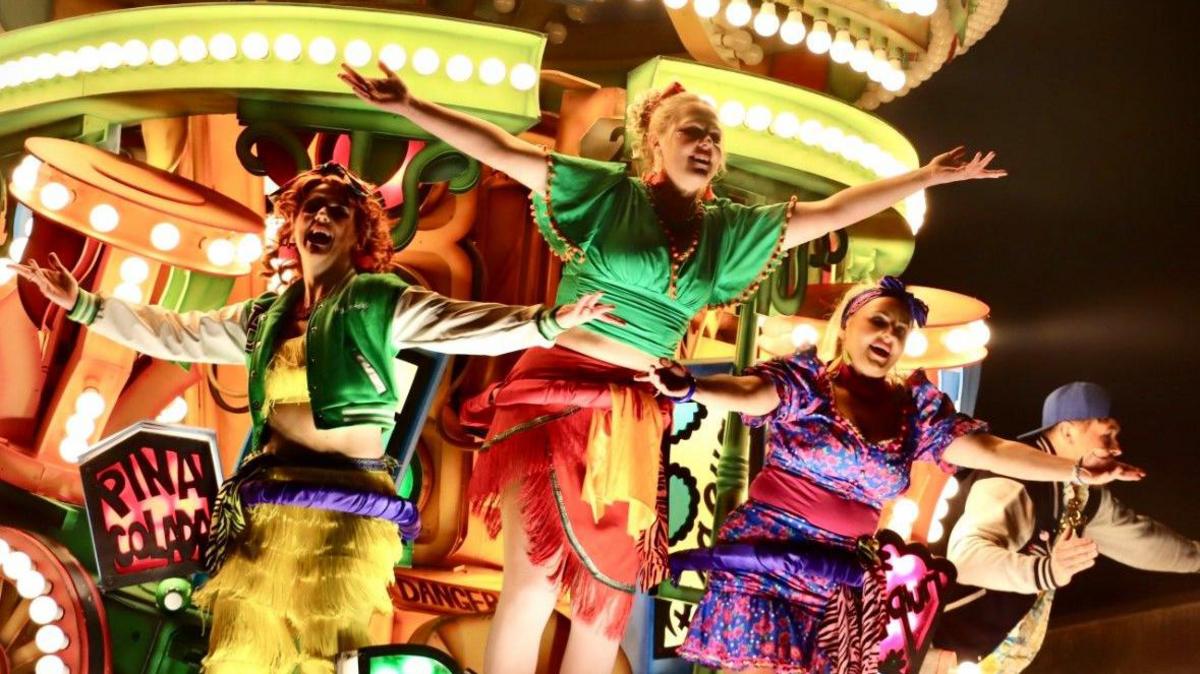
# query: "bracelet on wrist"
688, 395
547, 324
1077, 473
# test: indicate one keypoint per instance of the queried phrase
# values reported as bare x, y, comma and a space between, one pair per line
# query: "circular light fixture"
89, 59
90, 403
17, 564
27, 69
128, 292
45, 67
50, 664
70, 449
134, 270
805, 336
163, 52
104, 218
936, 531
44, 609
916, 345
173, 600
785, 125
878, 69
79, 426
810, 132
492, 71
957, 340
459, 68
256, 46
792, 31
924, 7
136, 53
249, 248
504, 6
174, 412
223, 47
905, 510
707, 9
941, 509
425, 61
732, 113
25, 176
819, 39
55, 196
32, 584
287, 47
358, 53
861, 57
766, 22
192, 49
842, 47
831, 139
322, 51
895, 78
675, 4
393, 56
738, 13
950, 490
980, 333
758, 118
111, 55
523, 77
50, 639
164, 236
221, 252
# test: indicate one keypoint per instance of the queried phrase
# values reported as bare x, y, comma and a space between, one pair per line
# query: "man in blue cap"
1015, 542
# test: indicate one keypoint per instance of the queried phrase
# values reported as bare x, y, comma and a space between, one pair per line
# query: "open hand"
1101, 467
587, 308
669, 378
387, 92
55, 282
949, 167
1070, 556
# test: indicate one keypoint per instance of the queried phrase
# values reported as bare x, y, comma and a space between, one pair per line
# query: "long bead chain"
678, 257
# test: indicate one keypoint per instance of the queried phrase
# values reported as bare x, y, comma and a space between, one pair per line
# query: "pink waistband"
826, 509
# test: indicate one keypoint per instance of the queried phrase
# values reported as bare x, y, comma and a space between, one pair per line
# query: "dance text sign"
422, 594
150, 491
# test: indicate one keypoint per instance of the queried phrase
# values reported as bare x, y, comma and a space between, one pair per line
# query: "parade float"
139, 143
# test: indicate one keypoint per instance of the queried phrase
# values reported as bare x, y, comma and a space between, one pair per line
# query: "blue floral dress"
754, 620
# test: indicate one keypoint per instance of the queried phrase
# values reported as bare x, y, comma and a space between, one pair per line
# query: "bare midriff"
292, 423
607, 349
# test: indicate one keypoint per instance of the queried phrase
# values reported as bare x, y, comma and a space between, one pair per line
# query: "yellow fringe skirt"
301, 584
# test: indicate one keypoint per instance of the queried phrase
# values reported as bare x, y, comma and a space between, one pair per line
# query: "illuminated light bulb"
223, 47
950, 489
556, 33
90, 403
905, 510
907, 6
732, 113
967, 667
16, 250
45, 67
738, 13
134, 270
136, 53
459, 68
425, 61
675, 4
393, 56
576, 12
810, 132
26, 174
17, 564
256, 46
758, 118
5, 548
708, 100
287, 47
322, 51
504, 6
55, 196
192, 49
981, 334
706, 9
766, 22
878, 68
27, 69
70, 449
221, 252
50, 639
128, 292
492, 71
417, 666
44, 609
6, 273
936, 531
852, 148
785, 125
523, 77
924, 7
842, 47
111, 55
895, 78
89, 59
792, 31
8, 75
32, 584
819, 40
164, 236
50, 664
163, 52
104, 218
831, 139
174, 412
173, 600
249, 248
941, 509
737, 39
805, 336
957, 340
358, 53
916, 345
861, 58
80, 426
752, 55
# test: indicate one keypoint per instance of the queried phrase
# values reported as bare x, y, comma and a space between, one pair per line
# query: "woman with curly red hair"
305, 534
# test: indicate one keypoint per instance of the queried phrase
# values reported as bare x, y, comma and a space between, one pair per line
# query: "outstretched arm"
746, 394
523, 161
814, 219
1139, 541
1016, 459
196, 336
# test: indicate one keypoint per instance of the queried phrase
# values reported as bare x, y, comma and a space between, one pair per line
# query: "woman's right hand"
55, 282
670, 378
388, 92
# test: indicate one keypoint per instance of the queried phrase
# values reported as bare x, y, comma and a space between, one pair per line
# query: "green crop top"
601, 222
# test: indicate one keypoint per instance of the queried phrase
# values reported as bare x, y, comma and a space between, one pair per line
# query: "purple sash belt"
346, 500
823, 508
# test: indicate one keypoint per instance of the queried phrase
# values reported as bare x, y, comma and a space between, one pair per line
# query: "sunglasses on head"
329, 168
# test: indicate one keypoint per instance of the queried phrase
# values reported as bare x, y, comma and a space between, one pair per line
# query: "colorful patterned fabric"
758, 620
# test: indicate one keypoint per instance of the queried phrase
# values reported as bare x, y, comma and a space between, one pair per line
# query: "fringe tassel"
653, 544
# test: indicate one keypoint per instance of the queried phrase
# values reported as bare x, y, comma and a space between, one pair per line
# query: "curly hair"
653, 115
373, 251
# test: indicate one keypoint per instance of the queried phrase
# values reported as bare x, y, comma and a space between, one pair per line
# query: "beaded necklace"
678, 254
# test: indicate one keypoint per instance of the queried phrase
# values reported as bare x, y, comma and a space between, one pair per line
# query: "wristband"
1077, 473
87, 306
547, 324
686, 397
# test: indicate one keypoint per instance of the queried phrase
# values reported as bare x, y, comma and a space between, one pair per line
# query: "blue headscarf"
889, 286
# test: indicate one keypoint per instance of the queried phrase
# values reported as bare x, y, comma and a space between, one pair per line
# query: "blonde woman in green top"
571, 465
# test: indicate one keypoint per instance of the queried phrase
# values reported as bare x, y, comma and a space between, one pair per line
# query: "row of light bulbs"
860, 55
970, 337
32, 585
80, 426
16, 251
105, 218
918, 7
905, 512
255, 46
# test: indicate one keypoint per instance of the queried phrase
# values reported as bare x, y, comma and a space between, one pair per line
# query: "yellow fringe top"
286, 379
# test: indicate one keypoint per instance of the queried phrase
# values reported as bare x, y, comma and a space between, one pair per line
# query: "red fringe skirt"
538, 420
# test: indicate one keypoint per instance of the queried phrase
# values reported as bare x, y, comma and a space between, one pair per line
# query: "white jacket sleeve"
985, 543
424, 319
1139, 541
196, 336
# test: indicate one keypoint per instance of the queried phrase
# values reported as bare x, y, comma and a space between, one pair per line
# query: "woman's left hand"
1099, 467
949, 167
669, 378
587, 308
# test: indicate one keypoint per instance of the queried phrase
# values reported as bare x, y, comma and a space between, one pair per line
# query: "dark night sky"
1085, 251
